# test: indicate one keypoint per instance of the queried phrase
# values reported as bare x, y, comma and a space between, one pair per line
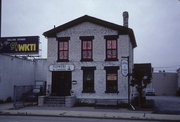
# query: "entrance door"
61, 83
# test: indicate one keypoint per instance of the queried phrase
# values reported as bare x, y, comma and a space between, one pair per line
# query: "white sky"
156, 23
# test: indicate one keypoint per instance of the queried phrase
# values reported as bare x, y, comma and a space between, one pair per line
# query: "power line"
172, 66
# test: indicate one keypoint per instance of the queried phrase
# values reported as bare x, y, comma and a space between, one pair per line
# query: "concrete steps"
55, 101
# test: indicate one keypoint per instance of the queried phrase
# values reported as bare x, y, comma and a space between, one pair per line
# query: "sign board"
124, 69
19, 45
61, 67
145, 69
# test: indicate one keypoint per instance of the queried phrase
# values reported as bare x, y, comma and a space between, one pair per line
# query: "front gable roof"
121, 29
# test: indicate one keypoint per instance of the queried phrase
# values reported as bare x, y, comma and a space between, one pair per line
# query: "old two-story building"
90, 59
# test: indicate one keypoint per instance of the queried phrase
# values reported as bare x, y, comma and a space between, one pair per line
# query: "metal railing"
27, 95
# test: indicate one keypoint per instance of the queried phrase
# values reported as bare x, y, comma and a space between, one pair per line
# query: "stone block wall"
89, 29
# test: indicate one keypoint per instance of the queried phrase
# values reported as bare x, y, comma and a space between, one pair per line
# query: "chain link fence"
28, 94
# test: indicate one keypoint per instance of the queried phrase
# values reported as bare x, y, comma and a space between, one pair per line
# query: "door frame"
61, 83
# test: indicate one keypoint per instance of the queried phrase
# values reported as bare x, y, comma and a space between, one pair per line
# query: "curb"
87, 114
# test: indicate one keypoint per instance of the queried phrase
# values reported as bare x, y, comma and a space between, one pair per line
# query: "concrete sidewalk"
88, 112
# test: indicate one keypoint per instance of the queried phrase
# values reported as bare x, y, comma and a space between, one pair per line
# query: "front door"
61, 83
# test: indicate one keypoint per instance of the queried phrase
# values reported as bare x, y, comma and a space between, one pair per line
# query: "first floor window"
88, 79
111, 79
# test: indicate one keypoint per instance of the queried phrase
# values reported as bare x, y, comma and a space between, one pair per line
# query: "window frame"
86, 39
111, 38
112, 70
85, 83
59, 40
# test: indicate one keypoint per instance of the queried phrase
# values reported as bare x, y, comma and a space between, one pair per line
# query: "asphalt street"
166, 104
60, 119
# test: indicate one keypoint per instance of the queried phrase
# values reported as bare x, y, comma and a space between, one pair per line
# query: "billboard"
19, 45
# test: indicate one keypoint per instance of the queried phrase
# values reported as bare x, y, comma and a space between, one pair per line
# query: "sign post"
125, 67
125, 72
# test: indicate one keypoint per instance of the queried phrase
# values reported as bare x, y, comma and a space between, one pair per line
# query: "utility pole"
0, 15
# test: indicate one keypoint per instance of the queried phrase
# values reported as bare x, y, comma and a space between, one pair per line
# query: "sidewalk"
86, 112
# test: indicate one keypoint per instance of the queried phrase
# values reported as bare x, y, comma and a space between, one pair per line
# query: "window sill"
62, 60
111, 60
88, 91
112, 92
86, 60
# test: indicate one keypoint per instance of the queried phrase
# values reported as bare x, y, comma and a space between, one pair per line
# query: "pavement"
86, 112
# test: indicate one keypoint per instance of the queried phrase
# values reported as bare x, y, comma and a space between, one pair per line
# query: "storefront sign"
124, 64
61, 67
19, 45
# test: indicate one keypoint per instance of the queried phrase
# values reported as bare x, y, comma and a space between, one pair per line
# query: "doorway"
61, 83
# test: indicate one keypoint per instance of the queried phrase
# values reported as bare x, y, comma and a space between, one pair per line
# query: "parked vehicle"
149, 92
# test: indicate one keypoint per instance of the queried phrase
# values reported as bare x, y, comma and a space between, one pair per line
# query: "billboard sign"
19, 45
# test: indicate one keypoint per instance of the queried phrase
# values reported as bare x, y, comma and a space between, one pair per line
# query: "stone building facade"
85, 58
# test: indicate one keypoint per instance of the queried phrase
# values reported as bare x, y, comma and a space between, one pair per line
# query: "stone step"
56, 97
54, 105
55, 101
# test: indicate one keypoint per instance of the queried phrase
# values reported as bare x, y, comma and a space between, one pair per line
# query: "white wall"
40, 69
164, 83
16, 71
90, 29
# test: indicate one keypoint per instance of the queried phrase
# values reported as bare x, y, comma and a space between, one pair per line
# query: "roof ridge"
121, 29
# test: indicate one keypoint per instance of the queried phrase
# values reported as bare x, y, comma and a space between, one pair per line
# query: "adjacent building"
90, 59
165, 83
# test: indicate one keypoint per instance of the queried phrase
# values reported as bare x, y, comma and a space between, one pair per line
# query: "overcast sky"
156, 23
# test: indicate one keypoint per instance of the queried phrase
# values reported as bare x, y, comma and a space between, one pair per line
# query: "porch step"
55, 101
54, 105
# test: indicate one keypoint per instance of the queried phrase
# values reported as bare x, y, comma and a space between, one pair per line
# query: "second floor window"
86, 48
111, 48
63, 50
